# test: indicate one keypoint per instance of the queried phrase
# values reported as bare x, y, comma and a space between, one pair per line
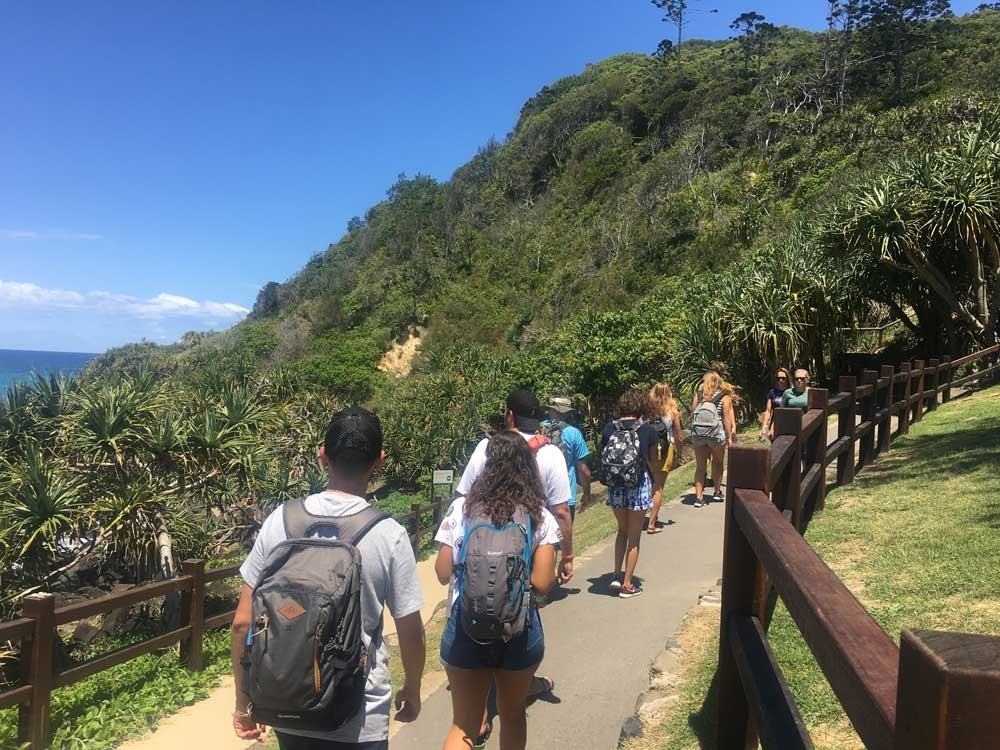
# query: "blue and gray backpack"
494, 578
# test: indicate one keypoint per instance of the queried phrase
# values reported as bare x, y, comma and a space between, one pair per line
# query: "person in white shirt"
524, 415
351, 453
508, 484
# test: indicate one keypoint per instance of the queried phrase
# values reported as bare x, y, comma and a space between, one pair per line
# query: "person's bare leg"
635, 519
718, 460
658, 479
512, 701
621, 540
469, 688
701, 453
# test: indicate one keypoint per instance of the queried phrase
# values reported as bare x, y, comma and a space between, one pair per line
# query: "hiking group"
307, 646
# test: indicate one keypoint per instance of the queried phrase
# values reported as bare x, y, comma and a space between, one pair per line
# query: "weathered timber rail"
936, 691
35, 630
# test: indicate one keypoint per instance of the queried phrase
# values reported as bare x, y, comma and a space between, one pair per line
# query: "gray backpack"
494, 578
305, 665
706, 420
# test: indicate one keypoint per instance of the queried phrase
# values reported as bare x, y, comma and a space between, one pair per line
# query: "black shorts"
295, 742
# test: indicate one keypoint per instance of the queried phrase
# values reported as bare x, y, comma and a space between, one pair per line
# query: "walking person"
774, 396
318, 666
666, 420
569, 439
713, 428
797, 397
628, 450
494, 632
523, 415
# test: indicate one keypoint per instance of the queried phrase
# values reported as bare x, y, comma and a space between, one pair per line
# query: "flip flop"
654, 530
548, 682
482, 739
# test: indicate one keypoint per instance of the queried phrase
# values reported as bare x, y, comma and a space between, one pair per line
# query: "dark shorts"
458, 651
294, 742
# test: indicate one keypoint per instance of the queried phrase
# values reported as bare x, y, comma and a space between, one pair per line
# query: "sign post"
440, 479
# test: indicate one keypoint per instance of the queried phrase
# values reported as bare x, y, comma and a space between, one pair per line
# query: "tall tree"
897, 28
754, 33
678, 12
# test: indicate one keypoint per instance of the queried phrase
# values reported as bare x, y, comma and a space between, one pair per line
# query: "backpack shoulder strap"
296, 518
300, 523
717, 398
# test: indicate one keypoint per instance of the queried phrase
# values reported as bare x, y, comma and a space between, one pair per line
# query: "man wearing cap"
573, 445
524, 415
351, 454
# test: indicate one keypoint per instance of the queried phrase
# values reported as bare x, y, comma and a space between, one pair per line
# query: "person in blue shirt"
571, 442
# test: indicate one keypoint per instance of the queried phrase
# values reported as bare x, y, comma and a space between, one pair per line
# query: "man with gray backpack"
307, 646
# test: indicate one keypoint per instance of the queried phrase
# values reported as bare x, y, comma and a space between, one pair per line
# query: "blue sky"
160, 161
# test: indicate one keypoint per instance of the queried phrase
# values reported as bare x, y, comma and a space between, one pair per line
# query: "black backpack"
621, 457
305, 665
554, 432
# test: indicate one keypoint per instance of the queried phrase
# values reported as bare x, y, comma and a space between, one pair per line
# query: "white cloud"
34, 234
21, 295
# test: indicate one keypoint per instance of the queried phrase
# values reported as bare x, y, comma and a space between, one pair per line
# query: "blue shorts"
458, 651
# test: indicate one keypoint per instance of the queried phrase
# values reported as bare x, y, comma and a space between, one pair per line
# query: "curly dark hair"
634, 403
509, 481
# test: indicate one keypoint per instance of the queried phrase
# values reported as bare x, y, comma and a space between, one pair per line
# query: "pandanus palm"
39, 501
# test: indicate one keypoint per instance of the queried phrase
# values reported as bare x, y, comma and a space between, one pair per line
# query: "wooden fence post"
818, 398
415, 509
868, 407
749, 468
946, 393
949, 691
846, 424
904, 415
33, 719
933, 380
786, 494
918, 407
885, 402
193, 614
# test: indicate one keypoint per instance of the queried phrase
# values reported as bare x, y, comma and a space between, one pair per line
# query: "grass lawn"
916, 538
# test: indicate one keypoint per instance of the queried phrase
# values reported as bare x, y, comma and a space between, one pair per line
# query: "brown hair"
633, 403
509, 481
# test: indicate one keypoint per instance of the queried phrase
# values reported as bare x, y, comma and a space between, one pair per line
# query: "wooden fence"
937, 691
35, 630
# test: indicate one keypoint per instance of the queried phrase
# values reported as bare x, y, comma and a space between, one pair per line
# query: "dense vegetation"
750, 201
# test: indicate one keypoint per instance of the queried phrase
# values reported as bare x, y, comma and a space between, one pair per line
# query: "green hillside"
753, 204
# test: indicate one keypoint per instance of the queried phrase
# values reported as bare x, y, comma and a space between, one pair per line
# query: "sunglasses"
781, 377
802, 378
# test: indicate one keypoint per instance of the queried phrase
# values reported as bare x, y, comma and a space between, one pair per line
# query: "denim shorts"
459, 651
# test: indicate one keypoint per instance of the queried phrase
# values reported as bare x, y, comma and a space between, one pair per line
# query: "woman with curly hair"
509, 484
629, 442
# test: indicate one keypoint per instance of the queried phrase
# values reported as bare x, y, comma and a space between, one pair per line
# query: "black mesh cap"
353, 439
527, 411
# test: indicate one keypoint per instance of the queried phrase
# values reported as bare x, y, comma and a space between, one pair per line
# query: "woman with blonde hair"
713, 427
666, 420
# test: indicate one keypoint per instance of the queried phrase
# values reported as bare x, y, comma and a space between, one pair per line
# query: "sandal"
654, 530
548, 682
482, 739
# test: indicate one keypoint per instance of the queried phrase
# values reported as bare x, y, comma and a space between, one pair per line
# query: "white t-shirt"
452, 532
551, 467
389, 579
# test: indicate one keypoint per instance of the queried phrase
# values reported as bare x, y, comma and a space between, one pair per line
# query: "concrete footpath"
598, 647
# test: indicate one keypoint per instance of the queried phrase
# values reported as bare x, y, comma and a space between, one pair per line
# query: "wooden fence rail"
36, 631
937, 691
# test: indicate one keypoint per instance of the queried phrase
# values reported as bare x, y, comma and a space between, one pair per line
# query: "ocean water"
18, 364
